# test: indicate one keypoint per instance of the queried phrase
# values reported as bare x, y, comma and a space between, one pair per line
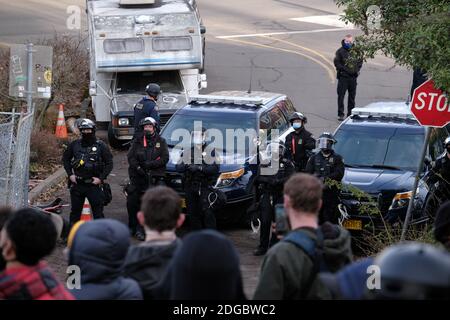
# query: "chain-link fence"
15, 133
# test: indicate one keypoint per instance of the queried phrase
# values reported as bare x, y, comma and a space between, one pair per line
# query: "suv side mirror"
202, 29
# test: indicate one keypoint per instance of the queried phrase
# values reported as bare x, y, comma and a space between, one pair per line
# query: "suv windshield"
223, 122
135, 82
382, 148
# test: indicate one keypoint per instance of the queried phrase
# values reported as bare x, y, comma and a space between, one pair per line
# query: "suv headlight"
227, 178
124, 122
402, 199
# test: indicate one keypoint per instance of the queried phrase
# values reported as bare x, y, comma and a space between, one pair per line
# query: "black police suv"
381, 145
236, 118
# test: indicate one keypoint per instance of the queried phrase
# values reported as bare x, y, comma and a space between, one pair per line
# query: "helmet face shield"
325, 143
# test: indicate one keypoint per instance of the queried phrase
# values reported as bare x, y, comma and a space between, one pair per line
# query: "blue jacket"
144, 108
99, 250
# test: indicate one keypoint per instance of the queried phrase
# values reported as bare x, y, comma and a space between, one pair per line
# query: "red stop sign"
430, 106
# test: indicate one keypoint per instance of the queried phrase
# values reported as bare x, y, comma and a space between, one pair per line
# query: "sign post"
431, 108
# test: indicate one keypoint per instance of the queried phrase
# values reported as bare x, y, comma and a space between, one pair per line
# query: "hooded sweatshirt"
288, 273
147, 263
206, 267
99, 249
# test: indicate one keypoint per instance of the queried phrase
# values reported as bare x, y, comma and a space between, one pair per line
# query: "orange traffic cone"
86, 213
61, 129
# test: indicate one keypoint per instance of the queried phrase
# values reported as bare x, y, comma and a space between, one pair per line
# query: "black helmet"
413, 271
326, 141
85, 124
153, 89
298, 116
146, 121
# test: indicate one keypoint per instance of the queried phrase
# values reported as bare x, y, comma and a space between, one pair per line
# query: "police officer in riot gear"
269, 189
200, 172
147, 159
299, 143
439, 180
412, 271
88, 162
146, 107
329, 167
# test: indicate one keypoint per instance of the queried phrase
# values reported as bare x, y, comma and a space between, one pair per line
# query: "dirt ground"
244, 241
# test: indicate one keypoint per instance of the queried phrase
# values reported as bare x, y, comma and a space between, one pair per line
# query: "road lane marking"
317, 53
330, 71
327, 20
281, 33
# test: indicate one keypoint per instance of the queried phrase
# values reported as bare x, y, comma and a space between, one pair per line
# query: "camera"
281, 222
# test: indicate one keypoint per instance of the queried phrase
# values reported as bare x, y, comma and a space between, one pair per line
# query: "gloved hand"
141, 171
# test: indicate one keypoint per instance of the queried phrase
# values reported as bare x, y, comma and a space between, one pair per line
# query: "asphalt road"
286, 55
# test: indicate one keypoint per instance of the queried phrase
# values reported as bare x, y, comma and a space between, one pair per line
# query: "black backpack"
314, 250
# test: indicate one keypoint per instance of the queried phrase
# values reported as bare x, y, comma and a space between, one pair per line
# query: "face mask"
296, 125
348, 45
88, 136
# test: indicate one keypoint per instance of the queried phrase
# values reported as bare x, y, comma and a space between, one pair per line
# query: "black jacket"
343, 67
331, 167
441, 170
147, 264
198, 175
206, 267
149, 160
146, 107
87, 160
299, 145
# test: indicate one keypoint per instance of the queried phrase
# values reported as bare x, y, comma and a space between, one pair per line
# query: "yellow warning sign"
48, 76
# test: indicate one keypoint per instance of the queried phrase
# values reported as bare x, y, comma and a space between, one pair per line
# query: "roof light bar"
383, 114
226, 99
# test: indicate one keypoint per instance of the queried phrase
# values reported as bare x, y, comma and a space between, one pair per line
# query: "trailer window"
172, 43
135, 82
112, 46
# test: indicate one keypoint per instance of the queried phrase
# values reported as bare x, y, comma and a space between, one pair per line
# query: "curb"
45, 185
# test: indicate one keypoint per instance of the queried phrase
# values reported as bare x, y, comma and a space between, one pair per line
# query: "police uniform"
269, 191
146, 107
147, 159
327, 167
440, 181
199, 176
299, 144
86, 160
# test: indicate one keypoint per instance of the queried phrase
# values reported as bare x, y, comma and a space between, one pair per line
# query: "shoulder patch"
138, 105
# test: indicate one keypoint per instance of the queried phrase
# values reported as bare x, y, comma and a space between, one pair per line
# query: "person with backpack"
290, 268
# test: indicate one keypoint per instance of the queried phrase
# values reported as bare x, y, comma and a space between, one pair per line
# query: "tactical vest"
323, 166
87, 161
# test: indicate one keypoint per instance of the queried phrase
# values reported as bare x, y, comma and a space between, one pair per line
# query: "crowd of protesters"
311, 261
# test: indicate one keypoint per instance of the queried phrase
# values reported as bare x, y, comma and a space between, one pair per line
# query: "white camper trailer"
135, 42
